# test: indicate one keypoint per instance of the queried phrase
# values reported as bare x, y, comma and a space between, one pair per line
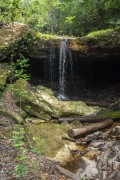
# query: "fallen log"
101, 104
67, 173
89, 128
83, 119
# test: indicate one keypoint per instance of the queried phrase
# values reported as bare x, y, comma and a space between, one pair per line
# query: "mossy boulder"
40, 102
15, 117
47, 139
5, 71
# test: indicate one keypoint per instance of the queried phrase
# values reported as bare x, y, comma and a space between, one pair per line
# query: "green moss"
109, 114
102, 32
7, 133
5, 71
15, 117
45, 36
48, 133
106, 37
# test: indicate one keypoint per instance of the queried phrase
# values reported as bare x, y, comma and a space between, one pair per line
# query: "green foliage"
17, 91
99, 33
45, 36
18, 143
108, 37
76, 17
19, 68
24, 164
10, 10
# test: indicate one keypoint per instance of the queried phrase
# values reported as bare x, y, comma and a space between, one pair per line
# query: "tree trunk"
101, 104
83, 119
89, 128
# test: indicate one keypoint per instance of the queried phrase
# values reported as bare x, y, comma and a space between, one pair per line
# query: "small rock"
75, 124
34, 120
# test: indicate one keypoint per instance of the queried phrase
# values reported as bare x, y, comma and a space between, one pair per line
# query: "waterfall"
59, 74
65, 62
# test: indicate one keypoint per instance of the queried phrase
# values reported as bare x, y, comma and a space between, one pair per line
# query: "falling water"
62, 67
65, 62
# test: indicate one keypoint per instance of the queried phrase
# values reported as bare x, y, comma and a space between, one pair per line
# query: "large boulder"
47, 139
40, 102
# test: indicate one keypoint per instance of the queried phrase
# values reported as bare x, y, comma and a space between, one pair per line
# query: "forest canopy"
62, 17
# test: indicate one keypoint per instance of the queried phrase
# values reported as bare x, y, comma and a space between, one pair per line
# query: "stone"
17, 118
75, 124
40, 102
65, 123
34, 120
5, 72
47, 139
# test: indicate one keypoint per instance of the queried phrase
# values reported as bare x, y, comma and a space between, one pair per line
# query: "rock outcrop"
92, 47
5, 71
40, 102
10, 35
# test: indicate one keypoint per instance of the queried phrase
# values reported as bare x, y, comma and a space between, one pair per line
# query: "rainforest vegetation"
62, 17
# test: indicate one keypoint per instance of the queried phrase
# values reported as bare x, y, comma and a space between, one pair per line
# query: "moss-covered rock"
102, 43
5, 71
41, 102
34, 120
17, 118
47, 138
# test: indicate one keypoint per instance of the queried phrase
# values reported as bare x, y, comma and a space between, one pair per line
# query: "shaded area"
87, 79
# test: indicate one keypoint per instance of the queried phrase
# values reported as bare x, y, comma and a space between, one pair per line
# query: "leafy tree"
76, 17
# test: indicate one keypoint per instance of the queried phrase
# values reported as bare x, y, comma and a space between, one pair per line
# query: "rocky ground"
96, 160
38, 166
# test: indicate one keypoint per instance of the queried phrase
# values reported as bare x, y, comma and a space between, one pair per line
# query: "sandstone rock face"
40, 102
86, 47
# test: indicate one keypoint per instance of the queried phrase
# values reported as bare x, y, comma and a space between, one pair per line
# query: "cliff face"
88, 47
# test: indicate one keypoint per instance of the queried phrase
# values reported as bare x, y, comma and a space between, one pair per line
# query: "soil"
39, 167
